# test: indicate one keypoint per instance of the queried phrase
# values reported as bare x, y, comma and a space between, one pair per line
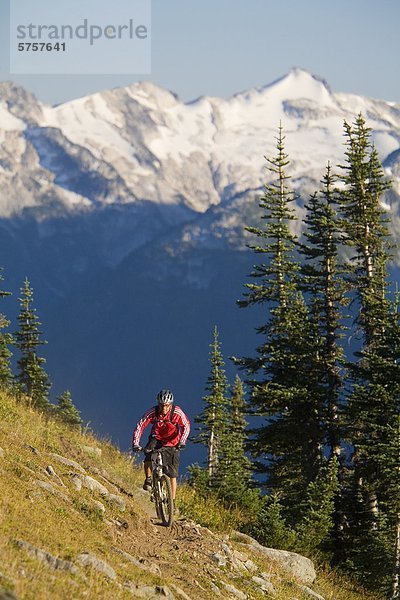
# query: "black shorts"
171, 456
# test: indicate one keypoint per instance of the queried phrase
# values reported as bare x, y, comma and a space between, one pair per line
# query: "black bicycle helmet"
165, 397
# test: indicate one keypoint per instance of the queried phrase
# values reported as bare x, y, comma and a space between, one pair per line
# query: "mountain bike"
161, 493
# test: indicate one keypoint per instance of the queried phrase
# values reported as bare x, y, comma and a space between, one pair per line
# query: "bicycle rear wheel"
165, 503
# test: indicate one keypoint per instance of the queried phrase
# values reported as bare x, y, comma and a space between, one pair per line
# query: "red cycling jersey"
170, 432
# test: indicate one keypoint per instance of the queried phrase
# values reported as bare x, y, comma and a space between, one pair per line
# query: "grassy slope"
67, 525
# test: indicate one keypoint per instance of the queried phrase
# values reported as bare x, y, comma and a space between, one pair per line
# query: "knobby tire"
164, 501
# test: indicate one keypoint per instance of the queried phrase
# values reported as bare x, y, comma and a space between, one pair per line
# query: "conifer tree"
374, 399
296, 378
211, 423
283, 377
66, 410
234, 468
366, 234
395, 579
274, 280
323, 280
317, 522
271, 528
32, 378
373, 543
6, 340
291, 437
365, 226
222, 429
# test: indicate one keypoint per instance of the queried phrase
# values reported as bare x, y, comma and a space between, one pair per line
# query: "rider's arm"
183, 423
148, 417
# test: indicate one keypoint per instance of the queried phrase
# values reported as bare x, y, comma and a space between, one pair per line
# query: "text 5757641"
41, 47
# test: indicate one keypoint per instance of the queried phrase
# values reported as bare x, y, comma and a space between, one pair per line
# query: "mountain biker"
170, 429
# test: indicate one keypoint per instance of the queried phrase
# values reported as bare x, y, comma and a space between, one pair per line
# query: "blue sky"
220, 47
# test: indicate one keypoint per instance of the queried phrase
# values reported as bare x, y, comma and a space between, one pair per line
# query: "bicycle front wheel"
165, 503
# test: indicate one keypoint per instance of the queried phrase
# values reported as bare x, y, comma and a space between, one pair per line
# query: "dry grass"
68, 522
62, 527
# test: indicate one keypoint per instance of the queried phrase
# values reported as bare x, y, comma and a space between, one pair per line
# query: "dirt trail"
184, 552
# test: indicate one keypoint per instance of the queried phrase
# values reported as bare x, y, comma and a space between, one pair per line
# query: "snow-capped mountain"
126, 209
142, 142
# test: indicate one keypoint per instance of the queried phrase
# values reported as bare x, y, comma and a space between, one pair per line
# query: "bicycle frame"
161, 489
157, 462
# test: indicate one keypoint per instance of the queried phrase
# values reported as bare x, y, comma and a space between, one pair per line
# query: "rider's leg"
147, 472
151, 444
173, 486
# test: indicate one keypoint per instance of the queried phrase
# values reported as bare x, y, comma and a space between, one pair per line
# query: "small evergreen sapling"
33, 381
66, 410
317, 522
271, 528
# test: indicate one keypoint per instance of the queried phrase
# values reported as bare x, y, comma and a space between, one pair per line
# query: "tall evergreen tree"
296, 378
367, 235
365, 227
274, 280
374, 507
323, 281
222, 429
6, 340
211, 423
288, 444
32, 378
292, 437
373, 402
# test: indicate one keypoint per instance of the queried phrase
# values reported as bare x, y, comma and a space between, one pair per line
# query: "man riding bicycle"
170, 430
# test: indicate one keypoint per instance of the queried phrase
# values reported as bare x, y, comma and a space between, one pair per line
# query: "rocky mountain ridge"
142, 162
142, 142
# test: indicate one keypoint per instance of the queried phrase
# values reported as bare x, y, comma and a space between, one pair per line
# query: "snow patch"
385, 143
8, 122
90, 123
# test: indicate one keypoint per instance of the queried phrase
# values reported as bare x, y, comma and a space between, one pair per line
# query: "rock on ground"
118, 501
180, 592
294, 564
45, 485
232, 590
50, 471
52, 561
149, 591
141, 563
264, 585
93, 485
310, 593
68, 462
86, 559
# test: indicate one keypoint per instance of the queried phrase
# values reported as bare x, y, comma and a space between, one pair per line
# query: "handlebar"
161, 449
